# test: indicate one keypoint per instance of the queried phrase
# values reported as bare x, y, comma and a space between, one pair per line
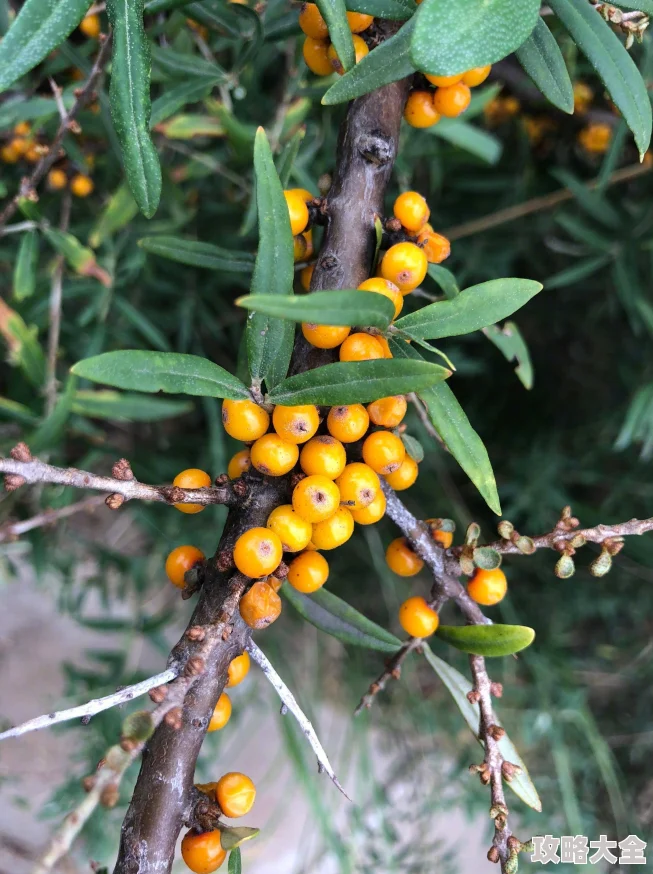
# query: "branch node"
122, 470
493, 855
14, 481
376, 148
21, 452
114, 501
173, 718
158, 694
196, 632
194, 667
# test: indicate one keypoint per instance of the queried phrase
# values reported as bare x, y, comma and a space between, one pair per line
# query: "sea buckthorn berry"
21, 146
180, 560
360, 347
405, 475
384, 452
444, 81
325, 336
299, 247
323, 456
412, 211
221, 714
360, 50
402, 560
387, 289
239, 464
453, 100
274, 456
294, 532
417, 618
359, 21
193, 478
348, 423
34, 152
420, 112
81, 185
334, 531
436, 247
315, 498
388, 412
203, 852
90, 26
316, 57
296, 424
488, 587
312, 23
235, 793
22, 129
258, 552
476, 76
445, 538
57, 179
238, 670
358, 485
244, 420
305, 278
404, 264
9, 154
308, 236
304, 193
297, 210
260, 605
595, 138
308, 572
583, 96
373, 512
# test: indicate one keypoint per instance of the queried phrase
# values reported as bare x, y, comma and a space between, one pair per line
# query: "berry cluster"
451, 97
319, 54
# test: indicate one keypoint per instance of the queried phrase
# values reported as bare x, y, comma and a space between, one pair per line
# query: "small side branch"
12, 530
392, 672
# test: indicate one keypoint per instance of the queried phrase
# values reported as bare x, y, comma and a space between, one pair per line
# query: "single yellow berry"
238, 670
315, 498
325, 336
193, 478
316, 57
373, 512
312, 23
273, 456
358, 485
417, 618
296, 424
258, 552
308, 572
404, 264
387, 289
412, 211
360, 50
235, 793
476, 76
293, 531
244, 420
57, 179
23, 129
359, 21
334, 531
384, 452
401, 559
221, 714
452, 100
488, 587
260, 606
388, 412
420, 111
202, 852
90, 26
305, 277
436, 247
404, 476
323, 456
348, 423
297, 210
181, 560
239, 464
444, 81
81, 185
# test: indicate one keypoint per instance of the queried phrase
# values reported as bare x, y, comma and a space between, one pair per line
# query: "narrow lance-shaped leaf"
80, 258
118, 212
357, 382
26, 264
542, 59
473, 309
466, 136
130, 102
198, 254
325, 307
171, 372
125, 407
235, 864
39, 27
509, 341
334, 13
22, 344
487, 640
399, 10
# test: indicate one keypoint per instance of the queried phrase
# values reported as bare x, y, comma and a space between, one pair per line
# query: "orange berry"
238, 670
404, 264
293, 531
373, 512
359, 21
444, 81
8, 154
81, 185
275, 582
296, 424
90, 26
358, 485
181, 560
385, 346
273, 456
221, 714
304, 193
244, 420
445, 538
387, 289
32, 153
404, 476
388, 412
193, 478
488, 587
258, 552
417, 618
305, 278
299, 247
435, 246
57, 179
452, 100
316, 56
361, 347
203, 852
235, 793
334, 531
325, 336
239, 464
348, 423
308, 572
401, 559
412, 210
360, 50
323, 456
476, 76
308, 236
384, 452
312, 23
595, 138
315, 498
22, 129
260, 605
297, 210
419, 111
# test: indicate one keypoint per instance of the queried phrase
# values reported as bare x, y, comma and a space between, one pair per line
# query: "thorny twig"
12, 530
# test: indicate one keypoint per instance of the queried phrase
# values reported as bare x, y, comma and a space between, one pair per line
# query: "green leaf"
413, 447
335, 617
130, 102
473, 309
357, 382
53, 428
394, 10
269, 339
641, 5
472, 139
198, 254
452, 37
78, 257
286, 159
173, 99
445, 279
170, 372
26, 264
118, 212
17, 412
180, 65
458, 687
22, 345
487, 640
235, 864
325, 307
39, 27
542, 59
511, 344
231, 837
123, 407
581, 270
607, 54
388, 62
591, 201
334, 12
